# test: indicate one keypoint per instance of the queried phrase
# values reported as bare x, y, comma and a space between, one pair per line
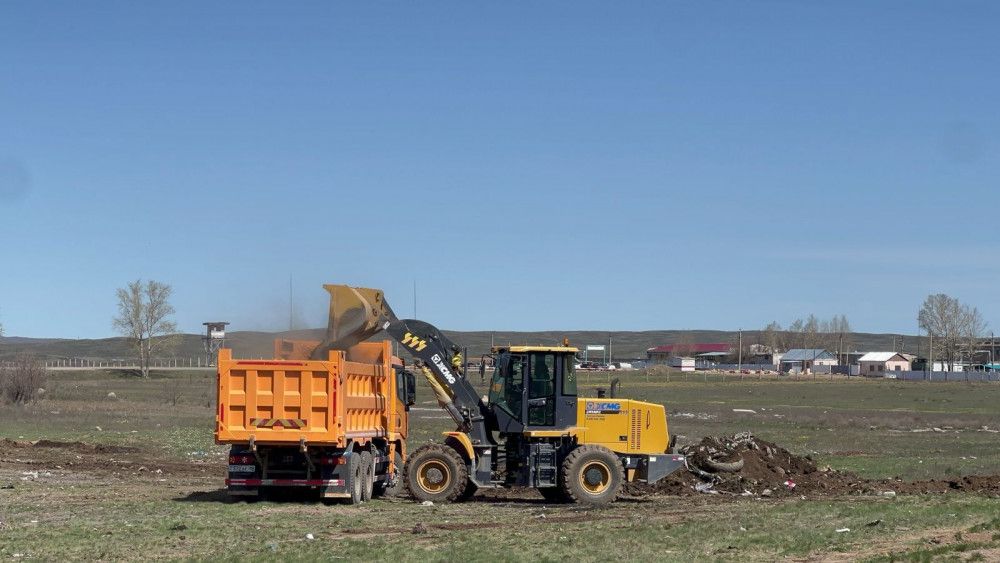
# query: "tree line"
810, 332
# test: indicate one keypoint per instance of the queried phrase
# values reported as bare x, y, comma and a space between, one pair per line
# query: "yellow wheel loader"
531, 429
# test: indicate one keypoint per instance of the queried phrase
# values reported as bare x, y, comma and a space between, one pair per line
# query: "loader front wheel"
592, 475
436, 472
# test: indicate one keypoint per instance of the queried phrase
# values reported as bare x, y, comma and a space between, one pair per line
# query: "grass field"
156, 493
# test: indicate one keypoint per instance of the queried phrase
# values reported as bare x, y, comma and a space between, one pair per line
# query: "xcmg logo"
600, 407
443, 368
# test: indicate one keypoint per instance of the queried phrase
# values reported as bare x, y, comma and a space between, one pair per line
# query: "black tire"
382, 490
355, 478
554, 495
469, 491
367, 475
436, 472
592, 475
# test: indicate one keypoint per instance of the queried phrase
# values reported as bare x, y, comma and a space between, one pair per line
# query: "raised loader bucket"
356, 314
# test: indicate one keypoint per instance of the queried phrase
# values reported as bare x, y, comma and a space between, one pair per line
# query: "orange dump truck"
337, 426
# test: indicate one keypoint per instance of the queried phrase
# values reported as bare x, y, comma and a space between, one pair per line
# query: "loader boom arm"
357, 314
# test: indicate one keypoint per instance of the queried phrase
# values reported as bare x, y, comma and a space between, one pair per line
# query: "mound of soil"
745, 465
78, 447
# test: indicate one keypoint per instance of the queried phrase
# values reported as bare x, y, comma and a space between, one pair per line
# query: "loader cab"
533, 388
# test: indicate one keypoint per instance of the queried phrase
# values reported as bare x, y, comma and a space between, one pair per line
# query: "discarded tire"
724, 466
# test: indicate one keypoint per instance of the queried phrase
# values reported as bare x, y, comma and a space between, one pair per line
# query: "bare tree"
143, 309
838, 331
952, 326
811, 332
684, 346
21, 381
773, 337
973, 329
796, 337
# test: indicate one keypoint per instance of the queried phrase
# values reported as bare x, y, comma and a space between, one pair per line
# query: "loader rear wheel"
554, 495
367, 476
437, 473
592, 475
355, 476
469, 491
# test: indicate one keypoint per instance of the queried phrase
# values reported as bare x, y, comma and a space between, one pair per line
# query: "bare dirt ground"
769, 470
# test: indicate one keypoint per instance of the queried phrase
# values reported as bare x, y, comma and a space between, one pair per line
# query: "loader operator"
456, 360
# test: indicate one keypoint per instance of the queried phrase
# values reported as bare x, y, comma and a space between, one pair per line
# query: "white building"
876, 364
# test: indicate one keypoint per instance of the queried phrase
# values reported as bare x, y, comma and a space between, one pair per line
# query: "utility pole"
739, 353
290, 302
930, 356
414, 298
840, 354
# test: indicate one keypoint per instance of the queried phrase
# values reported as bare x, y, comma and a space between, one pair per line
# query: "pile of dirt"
745, 465
78, 447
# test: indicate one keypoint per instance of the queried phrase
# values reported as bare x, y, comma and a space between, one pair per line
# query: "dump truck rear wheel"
592, 475
436, 472
367, 476
394, 491
355, 478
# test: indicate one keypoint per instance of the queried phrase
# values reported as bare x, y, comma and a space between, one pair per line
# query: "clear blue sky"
558, 165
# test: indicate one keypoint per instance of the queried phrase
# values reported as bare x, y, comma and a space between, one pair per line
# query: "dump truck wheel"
437, 473
592, 475
394, 491
367, 476
355, 478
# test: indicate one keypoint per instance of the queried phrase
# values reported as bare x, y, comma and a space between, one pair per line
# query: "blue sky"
560, 165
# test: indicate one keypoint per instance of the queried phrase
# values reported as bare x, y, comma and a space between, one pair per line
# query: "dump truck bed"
349, 396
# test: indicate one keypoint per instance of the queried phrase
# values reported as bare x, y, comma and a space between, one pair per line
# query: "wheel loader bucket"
356, 314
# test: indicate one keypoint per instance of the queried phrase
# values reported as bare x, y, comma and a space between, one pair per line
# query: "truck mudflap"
653, 468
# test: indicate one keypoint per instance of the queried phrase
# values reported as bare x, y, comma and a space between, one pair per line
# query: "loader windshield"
507, 386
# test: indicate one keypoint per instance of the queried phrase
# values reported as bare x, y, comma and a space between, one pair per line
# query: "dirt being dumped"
744, 465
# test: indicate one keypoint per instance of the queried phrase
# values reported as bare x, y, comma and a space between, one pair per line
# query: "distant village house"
878, 363
805, 359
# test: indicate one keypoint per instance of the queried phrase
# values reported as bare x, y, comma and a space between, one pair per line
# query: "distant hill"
624, 344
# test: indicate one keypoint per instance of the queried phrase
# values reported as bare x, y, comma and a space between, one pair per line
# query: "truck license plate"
242, 468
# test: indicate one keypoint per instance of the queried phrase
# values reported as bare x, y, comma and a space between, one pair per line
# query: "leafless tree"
796, 337
684, 346
838, 335
773, 336
952, 326
143, 309
21, 380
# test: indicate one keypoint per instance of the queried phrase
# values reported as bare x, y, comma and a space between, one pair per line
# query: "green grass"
126, 528
859, 425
